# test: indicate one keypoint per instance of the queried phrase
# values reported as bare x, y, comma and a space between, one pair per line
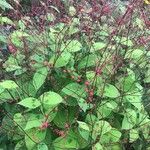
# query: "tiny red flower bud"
90, 99
79, 77
86, 83
98, 71
67, 125
78, 80
33, 62
44, 125
11, 48
46, 63
72, 77
87, 90
91, 93
69, 71
64, 71
62, 133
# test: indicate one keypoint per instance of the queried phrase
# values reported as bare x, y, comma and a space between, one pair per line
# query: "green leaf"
19, 145
126, 84
16, 37
20, 120
3, 38
147, 79
19, 34
74, 90
65, 116
97, 146
134, 54
129, 120
27, 88
39, 59
147, 75
145, 130
88, 61
134, 135
39, 77
33, 137
73, 27
50, 17
91, 119
83, 125
42, 146
30, 103
6, 20
83, 143
72, 46
90, 75
61, 60
104, 33
103, 112
50, 99
98, 46
72, 11
5, 95
11, 64
112, 136
143, 118
8, 84
100, 128
111, 91
4, 4
83, 104
135, 99
21, 24
140, 23
67, 142
84, 130
114, 146
106, 108
33, 121
1, 90
124, 41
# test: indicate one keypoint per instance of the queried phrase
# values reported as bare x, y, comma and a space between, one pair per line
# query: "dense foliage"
74, 75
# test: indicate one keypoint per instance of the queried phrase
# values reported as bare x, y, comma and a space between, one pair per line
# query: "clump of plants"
77, 79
